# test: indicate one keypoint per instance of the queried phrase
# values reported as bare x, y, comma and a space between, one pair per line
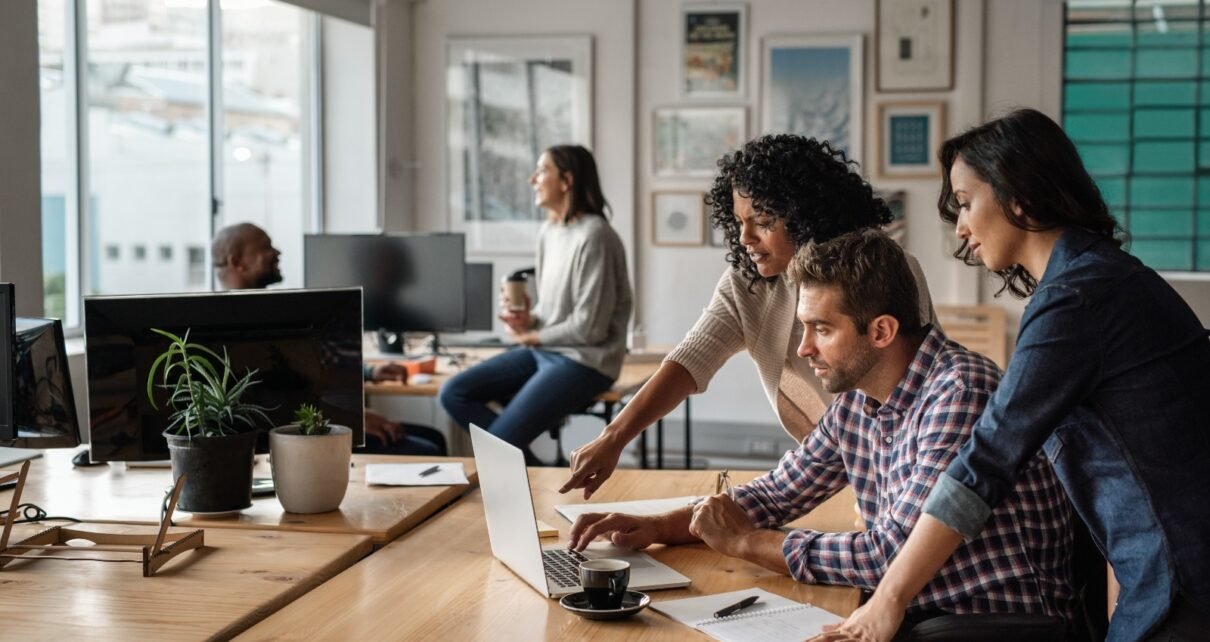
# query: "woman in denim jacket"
1108, 377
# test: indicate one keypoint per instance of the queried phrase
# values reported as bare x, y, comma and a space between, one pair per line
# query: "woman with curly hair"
772, 196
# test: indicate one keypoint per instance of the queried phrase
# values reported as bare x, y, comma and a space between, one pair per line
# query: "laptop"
513, 529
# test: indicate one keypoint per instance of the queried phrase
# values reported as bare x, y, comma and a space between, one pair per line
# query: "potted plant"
212, 433
310, 460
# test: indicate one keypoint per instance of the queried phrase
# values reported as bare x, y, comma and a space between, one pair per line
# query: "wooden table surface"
237, 579
440, 581
116, 494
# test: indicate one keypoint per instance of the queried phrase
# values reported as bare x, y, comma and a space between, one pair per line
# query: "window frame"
77, 211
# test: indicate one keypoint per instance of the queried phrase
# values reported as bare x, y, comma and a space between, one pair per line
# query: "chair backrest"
980, 328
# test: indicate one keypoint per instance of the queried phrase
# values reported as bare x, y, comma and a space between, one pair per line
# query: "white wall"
349, 159
20, 190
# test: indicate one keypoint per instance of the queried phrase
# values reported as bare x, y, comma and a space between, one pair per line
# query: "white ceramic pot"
310, 472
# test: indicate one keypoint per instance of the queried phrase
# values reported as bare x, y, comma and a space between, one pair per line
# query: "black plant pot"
219, 471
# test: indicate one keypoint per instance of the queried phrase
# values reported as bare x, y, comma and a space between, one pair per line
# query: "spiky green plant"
205, 397
311, 420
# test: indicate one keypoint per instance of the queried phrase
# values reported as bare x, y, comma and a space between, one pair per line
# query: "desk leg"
688, 429
659, 443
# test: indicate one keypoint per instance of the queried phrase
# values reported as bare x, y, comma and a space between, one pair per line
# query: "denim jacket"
1110, 377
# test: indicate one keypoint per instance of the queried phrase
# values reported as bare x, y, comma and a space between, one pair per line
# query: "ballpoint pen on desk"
723, 485
737, 607
429, 471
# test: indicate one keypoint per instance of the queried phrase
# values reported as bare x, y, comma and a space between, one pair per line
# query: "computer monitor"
304, 344
411, 282
8, 330
480, 291
44, 405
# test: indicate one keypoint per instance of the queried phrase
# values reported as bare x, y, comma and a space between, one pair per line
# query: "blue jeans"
540, 388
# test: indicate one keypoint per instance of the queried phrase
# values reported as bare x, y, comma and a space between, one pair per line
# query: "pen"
737, 607
429, 471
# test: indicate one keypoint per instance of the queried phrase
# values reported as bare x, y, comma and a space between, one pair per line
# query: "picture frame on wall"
677, 218
909, 135
896, 201
712, 53
507, 97
688, 141
813, 86
915, 45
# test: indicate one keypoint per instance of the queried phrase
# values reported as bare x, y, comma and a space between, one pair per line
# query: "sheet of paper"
691, 610
448, 474
636, 507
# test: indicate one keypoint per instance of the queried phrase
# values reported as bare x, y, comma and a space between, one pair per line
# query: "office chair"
1089, 576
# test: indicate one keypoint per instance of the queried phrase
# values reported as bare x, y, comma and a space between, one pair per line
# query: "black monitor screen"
411, 282
480, 290
8, 319
44, 405
304, 344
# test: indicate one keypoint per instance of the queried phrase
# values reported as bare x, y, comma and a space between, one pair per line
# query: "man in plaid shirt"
907, 400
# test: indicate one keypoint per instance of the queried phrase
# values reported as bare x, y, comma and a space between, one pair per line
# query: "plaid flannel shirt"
892, 455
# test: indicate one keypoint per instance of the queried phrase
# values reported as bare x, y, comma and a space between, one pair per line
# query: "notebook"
772, 619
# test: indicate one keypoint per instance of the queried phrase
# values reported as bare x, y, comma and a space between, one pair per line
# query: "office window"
1136, 102
160, 165
266, 79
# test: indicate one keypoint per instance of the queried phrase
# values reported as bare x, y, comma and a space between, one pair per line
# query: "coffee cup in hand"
516, 290
604, 582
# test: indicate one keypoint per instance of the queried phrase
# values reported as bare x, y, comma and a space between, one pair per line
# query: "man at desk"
906, 401
245, 259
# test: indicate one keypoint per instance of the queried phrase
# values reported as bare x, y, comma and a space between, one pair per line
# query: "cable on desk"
35, 513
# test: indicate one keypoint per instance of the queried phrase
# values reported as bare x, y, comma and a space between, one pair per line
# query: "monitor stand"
390, 342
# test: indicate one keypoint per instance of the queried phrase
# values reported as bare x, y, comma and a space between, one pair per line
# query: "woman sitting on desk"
575, 338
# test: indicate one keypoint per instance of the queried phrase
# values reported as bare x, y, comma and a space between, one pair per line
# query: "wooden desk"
441, 582
112, 494
636, 370
237, 579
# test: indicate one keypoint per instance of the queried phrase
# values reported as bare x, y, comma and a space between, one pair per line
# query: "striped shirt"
892, 455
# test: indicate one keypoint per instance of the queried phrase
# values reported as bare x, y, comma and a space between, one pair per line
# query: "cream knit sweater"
764, 322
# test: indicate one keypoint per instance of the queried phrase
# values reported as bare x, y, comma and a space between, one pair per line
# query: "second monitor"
410, 282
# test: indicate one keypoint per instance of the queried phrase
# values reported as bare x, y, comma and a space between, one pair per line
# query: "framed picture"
712, 50
896, 201
717, 237
677, 218
909, 135
915, 45
812, 86
508, 99
690, 140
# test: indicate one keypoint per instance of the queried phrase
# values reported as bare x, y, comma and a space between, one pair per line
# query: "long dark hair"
586, 195
1029, 163
805, 182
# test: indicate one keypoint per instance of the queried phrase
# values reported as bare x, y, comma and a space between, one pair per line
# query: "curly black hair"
806, 182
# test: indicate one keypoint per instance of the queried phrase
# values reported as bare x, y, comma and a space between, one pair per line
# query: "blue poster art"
909, 139
812, 87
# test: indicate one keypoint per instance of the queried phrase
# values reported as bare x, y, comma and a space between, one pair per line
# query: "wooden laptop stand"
147, 549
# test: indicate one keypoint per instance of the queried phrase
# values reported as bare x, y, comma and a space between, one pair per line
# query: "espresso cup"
604, 582
515, 291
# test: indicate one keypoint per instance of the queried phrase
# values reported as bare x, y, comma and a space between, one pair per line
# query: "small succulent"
311, 420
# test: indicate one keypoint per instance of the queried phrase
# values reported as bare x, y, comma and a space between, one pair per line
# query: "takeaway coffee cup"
604, 582
515, 290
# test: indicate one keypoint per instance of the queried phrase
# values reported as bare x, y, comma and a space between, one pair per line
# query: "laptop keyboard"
562, 566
